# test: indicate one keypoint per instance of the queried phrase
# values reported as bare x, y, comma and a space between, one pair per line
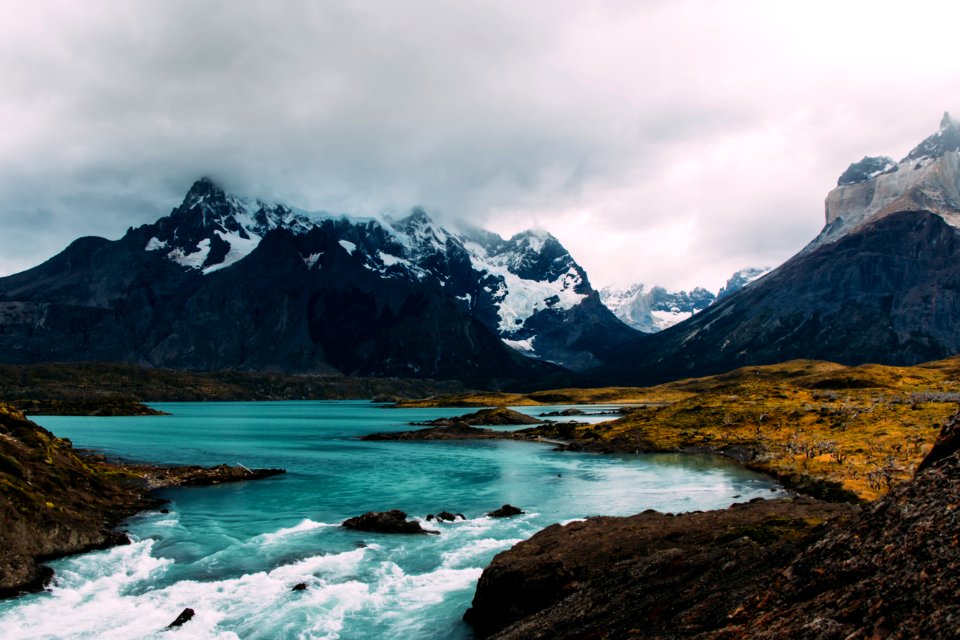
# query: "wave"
280, 534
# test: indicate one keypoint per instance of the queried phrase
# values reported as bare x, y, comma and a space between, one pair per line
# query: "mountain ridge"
879, 284
228, 282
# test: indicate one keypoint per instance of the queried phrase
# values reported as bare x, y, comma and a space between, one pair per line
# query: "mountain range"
880, 283
655, 308
228, 282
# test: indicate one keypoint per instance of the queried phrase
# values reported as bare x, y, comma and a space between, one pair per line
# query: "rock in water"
185, 616
300, 586
394, 521
505, 511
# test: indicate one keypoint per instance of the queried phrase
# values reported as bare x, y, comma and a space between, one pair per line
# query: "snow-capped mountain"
655, 309
879, 284
348, 283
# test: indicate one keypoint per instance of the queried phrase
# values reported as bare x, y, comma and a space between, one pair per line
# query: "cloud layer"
662, 142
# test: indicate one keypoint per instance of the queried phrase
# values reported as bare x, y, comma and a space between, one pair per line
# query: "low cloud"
663, 142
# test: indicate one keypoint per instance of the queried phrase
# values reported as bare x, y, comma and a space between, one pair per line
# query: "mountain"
655, 309
227, 282
880, 283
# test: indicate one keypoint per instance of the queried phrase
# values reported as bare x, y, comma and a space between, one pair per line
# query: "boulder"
185, 616
393, 521
505, 511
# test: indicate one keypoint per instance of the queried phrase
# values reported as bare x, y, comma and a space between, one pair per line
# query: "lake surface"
233, 552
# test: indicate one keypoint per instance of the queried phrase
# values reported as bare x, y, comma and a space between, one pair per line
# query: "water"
233, 552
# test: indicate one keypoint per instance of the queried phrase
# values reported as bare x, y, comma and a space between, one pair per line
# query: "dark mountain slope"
881, 283
888, 294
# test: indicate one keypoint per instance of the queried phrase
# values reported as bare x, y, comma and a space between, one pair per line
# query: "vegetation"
822, 427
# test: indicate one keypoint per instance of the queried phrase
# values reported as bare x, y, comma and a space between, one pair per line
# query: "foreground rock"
498, 416
647, 575
892, 573
55, 502
394, 521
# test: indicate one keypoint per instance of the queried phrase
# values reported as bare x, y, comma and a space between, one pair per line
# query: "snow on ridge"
349, 246
519, 298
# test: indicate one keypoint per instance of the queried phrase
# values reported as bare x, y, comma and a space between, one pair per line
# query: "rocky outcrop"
505, 511
394, 521
649, 575
109, 406
498, 416
892, 573
54, 501
457, 431
459, 428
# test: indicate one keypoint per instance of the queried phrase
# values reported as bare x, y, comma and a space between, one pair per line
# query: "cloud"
666, 142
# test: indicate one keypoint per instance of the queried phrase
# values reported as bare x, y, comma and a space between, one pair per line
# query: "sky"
662, 142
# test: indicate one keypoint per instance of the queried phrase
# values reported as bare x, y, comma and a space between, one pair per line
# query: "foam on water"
281, 534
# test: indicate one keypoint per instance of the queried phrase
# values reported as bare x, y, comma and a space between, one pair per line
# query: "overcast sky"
662, 142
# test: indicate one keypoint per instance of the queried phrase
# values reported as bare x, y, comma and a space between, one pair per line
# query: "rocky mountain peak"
945, 140
928, 178
867, 169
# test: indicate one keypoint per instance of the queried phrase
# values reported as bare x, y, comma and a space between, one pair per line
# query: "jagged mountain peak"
653, 309
945, 140
523, 289
927, 179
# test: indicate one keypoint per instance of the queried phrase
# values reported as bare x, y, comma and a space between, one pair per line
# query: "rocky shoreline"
57, 501
793, 568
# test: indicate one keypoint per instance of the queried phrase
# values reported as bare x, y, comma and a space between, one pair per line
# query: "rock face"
928, 178
225, 282
649, 575
394, 521
880, 284
892, 573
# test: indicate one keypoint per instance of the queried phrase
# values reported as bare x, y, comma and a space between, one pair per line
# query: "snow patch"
194, 259
519, 298
311, 259
665, 319
349, 246
155, 244
240, 248
523, 346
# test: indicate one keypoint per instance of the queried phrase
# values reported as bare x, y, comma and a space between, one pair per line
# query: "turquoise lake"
233, 552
